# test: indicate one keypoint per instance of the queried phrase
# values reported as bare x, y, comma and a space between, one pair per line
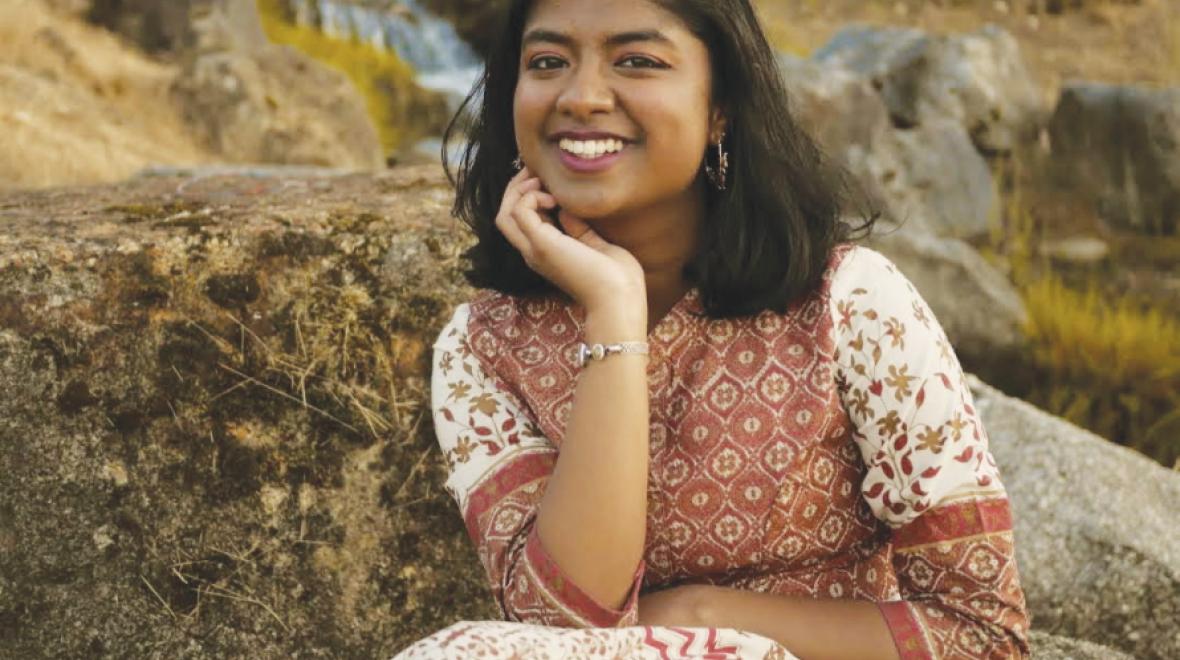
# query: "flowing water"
427, 42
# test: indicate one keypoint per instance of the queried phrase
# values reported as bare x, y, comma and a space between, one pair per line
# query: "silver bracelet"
600, 352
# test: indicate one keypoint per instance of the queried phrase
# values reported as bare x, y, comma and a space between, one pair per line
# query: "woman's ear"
718, 124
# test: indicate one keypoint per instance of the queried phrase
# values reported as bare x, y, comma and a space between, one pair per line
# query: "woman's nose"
586, 92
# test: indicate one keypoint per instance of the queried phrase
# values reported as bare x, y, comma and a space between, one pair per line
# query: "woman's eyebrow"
541, 35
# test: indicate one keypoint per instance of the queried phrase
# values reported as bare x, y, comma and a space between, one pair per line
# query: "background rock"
276, 105
928, 177
180, 25
80, 105
1098, 547
472, 18
931, 176
1120, 146
978, 79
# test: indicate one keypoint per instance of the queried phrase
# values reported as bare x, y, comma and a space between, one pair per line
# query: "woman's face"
612, 109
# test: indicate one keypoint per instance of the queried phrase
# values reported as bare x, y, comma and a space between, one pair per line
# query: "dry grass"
1102, 354
79, 106
1110, 40
1111, 366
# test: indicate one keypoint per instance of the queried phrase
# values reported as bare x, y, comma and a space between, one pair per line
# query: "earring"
718, 175
518, 164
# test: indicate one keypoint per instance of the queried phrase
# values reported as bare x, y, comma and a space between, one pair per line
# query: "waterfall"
427, 42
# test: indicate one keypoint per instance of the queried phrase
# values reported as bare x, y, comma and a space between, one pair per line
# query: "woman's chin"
586, 209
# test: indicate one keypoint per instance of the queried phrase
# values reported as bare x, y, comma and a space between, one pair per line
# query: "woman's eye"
545, 63
639, 62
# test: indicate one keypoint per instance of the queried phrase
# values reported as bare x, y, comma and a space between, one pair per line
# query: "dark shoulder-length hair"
767, 237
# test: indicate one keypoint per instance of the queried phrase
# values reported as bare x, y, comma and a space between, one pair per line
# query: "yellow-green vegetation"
781, 35
1111, 365
376, 73
1174, 46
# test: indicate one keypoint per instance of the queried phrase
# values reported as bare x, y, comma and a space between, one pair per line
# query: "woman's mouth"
590, 155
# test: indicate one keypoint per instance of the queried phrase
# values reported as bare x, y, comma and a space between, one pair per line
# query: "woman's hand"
580, 262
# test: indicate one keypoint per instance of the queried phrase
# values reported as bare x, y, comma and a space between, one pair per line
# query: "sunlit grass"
376, 73
1111, 365
1174, 45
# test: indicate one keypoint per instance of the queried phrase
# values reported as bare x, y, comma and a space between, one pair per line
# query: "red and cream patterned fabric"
831, 452
497, 640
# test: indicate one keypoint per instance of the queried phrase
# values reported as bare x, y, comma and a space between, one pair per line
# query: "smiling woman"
686, 417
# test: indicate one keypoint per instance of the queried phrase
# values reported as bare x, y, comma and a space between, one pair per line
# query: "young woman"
685, 417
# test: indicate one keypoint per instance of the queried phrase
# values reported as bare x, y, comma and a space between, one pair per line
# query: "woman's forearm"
593, 516
812, 629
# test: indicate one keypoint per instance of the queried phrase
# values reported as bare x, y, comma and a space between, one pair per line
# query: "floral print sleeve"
931, 477
499, 464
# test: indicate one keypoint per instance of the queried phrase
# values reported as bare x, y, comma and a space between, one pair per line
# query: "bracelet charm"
599, 352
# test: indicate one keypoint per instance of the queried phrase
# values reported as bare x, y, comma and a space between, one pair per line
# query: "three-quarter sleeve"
930, 475
499, 465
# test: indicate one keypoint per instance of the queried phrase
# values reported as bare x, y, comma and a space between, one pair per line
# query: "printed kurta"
829, 452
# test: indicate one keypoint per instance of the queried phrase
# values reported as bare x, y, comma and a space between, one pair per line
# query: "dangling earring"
718, 175
518, 164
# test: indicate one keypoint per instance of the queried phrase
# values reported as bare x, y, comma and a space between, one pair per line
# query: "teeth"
591, 148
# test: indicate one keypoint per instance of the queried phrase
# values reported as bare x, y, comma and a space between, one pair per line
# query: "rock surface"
928, 177
213, 434
181, 25
273, 104
1097, 539
216, 443
978, 80
1052, 647
1121, 146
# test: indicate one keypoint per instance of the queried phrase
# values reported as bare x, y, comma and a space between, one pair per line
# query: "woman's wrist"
616, 323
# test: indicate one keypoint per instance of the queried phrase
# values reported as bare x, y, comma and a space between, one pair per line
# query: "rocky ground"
78, 105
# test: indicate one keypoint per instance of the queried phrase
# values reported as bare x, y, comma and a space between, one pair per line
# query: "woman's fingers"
518, 186
539, 233
506, 223
581, 230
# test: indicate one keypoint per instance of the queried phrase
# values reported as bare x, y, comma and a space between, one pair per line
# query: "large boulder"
978, 79
273, 104
932, 177
928, 177
1121, 144
1097, 532
214, 439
